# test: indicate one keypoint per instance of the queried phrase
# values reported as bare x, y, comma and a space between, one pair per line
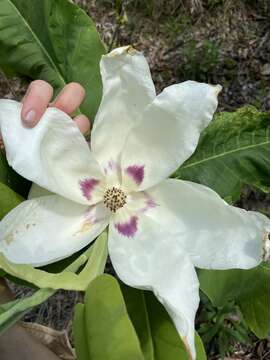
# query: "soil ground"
216, 41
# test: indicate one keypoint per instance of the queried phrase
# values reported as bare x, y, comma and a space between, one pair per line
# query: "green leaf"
234, 150
53, 40
95, 257
8, 199
201, 354
11, 179
12, 311
158, 336
61, 265
255, 310
80, 334
96, 262
249, 288
109, 331
41, 279
222, 286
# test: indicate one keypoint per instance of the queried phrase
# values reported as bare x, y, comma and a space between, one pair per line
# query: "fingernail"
30, 117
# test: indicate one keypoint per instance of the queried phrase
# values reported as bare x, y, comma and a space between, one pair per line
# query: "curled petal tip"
131, 51
122, 50
217, 89
188, 349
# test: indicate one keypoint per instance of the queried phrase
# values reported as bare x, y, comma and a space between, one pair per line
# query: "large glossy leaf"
158, 337
256, 312
95, 258
234, 150
52, 40
80, 334
249, 288
105, 324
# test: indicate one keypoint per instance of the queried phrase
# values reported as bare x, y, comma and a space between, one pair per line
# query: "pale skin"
39, 96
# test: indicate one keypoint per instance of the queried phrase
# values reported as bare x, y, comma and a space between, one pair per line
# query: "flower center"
114, 199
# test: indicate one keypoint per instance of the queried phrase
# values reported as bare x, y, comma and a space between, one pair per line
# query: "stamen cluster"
114, 199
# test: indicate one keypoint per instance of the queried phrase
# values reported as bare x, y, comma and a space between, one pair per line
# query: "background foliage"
215, 40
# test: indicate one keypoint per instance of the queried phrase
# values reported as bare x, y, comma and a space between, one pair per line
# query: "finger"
35, 102
69, 98
83, 123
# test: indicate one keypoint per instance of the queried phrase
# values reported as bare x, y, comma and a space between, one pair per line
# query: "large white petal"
152, 260
49, 228
127, 89
213, 233
168, 133
54, 154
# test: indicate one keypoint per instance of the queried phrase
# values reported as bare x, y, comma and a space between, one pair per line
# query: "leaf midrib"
39, 43
213, 157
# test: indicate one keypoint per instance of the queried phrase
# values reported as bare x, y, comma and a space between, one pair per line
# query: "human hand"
38, 97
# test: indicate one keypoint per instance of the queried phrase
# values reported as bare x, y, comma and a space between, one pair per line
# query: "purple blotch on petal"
128, 228
87, 186
136, 172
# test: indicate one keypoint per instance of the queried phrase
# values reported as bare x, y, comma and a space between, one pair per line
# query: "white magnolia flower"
158, 229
